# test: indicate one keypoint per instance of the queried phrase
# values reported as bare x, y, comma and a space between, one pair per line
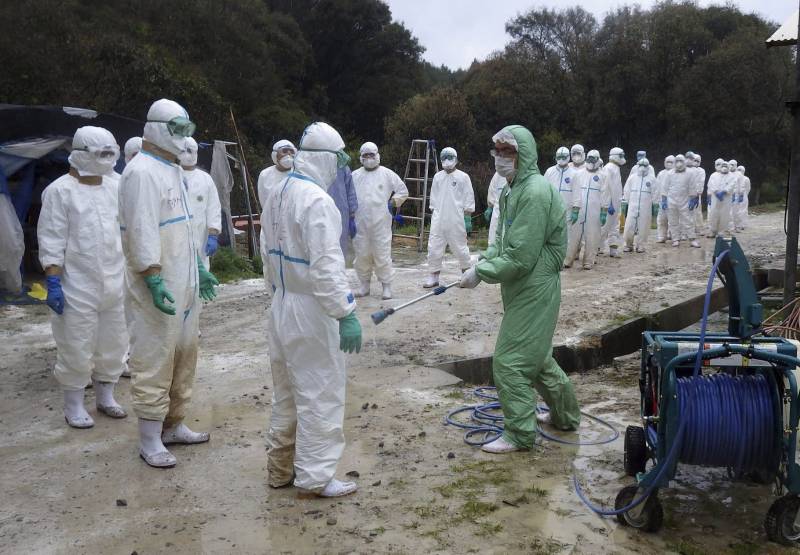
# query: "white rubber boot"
105, 402
432, 281
387, 291
74, 412
627, 248
500, 446
182, 434
151, 449
362, 291
676, 243
695, 244
335, 488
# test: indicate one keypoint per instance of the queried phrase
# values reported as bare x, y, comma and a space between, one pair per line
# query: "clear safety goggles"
342, 158
285, 150
562, 157
180, 126
368, 156
102, 152
592, 159
502, 153
448, 157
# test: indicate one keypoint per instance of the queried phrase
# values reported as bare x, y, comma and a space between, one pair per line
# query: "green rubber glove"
625, 209
159, 292
487, 215
654, 210
350, 334
468, 222
207, 282
573, 217
603, 216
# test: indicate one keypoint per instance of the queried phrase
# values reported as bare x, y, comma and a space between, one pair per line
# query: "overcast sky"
454, 32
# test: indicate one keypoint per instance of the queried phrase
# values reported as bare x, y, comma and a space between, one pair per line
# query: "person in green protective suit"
525, 260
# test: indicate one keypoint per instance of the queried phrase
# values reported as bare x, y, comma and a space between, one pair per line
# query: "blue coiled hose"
488, 425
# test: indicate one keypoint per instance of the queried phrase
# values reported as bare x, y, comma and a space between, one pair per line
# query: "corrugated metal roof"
787, 34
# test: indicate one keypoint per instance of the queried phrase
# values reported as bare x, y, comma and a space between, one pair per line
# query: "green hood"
527, 157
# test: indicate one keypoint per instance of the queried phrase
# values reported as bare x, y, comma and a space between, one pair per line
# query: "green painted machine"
731, 404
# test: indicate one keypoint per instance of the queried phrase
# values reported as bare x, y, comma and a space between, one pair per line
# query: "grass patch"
228, 266
541, 546
537, 492
473, 510
488, 529
454, 394
686, 548
767, 207
429, 511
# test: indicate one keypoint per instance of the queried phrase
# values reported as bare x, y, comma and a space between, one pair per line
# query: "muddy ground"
421, 488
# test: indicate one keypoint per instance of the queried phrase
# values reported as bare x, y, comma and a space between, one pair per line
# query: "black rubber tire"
779, 522
635, 455
652, 516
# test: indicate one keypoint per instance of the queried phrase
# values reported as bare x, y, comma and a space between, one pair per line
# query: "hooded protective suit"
679, 185
562, 176
641, 202
736, 177
78, 232
305, 269
721, 185
609, 233
660, 196
451, 199
591, 197
157, 232
372, 244
700, 185
496, 186
343, 193
203, 200
742, 201
132, 148
526, 261
271, 177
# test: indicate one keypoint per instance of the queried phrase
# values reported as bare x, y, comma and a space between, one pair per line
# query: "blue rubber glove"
399, 219
350, 334
212, 244
468, 222
351, 227
663, 203
720, 195
55, 295
573, 217
611, 210
159, 292
487, 215
207, 282
693, 202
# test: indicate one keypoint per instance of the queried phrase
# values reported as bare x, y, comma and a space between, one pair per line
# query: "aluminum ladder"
422, 165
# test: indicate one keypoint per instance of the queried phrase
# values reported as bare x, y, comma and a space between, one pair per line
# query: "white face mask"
680, 166
449, 164
370, 163
505, 167
286, 162
188, 158
642, 170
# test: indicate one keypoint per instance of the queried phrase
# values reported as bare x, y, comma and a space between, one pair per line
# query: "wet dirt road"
422, 488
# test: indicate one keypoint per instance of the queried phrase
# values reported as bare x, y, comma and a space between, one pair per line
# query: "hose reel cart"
731, 404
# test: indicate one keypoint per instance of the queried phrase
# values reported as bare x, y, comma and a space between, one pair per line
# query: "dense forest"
668, 79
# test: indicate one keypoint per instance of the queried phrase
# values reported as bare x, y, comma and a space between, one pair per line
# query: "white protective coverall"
590, 195
157, 231
661, 191
700, 184
372, 244
451, 199
562, 178
203, 201
679, 185
305, 268
733, 165
79, 232
639, 196
496, 186
743, 200
132, 147
719, 210
609, 233
272, 177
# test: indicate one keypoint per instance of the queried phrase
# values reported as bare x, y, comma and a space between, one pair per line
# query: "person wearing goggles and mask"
639, 205
375, 186
736, 177
609, 235
577, 156
526, 261
562, 176
166, 280
588, 213
680, 190
661, 196
282, 154
311, 322
743, 202
452, 201
721, 186
80, 249
492, 212
203, 204
699, 186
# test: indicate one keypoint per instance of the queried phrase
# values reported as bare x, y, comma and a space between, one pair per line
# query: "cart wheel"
635, 450
780, 521
652, 515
